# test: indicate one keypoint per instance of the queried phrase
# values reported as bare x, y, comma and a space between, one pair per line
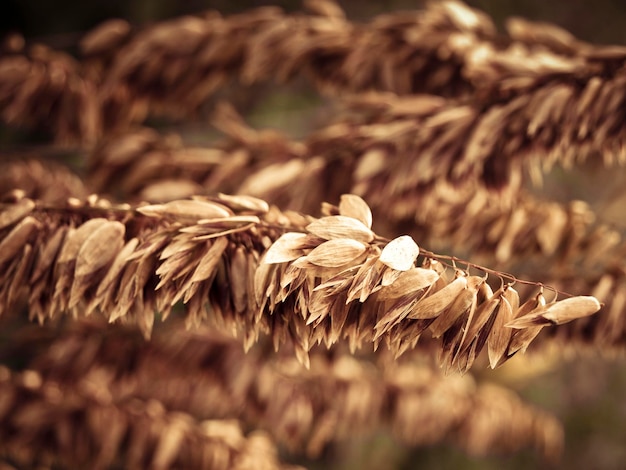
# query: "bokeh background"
586, 390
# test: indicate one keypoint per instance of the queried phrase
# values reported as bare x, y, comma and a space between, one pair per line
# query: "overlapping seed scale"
186, 211
340, 226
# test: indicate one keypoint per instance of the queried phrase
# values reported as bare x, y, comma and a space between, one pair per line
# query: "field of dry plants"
290, 239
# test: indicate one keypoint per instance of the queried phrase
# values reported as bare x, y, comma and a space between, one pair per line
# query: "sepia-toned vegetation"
242, 298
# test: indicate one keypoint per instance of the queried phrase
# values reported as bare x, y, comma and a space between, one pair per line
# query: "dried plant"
209, 376
446, 50
304, 331
44, 89
332, 279
82, 424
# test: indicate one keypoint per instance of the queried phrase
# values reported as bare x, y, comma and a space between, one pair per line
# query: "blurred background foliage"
587, 391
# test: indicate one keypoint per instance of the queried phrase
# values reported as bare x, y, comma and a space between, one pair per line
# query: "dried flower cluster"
298, 322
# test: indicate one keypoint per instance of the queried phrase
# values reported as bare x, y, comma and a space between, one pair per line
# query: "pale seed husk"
522, 338
339, 226
75, 239
208, 263
186, 211
97, 252
46, 255
244, 203
400, 253
500, 336
558, 313
335, 253
99, 249
464, 303
572, 308
288, 247
351, 205
433, 305
479, 318
17, 238
239, 280
116, 268
409, 282
16, 212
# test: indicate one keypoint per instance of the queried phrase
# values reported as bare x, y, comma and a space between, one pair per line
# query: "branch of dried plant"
45, 90
264, 164
446, 49
235, 260
340, 397
44, 180
531, 78
82, 424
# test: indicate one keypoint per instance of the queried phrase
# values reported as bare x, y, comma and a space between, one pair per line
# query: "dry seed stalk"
44, 90
269, 166
447, 49
42, 180
115, 429
301, 289
338, 397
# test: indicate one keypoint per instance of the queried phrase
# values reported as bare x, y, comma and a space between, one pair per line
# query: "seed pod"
16, 212
409, 282
353, 206
335, 253
287, 248
186, 211
477, 318
464, 302
500, 336
244, 203
12, 243
339, 226
400, 253
570, 309
433, 305
557, 313
522, 338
